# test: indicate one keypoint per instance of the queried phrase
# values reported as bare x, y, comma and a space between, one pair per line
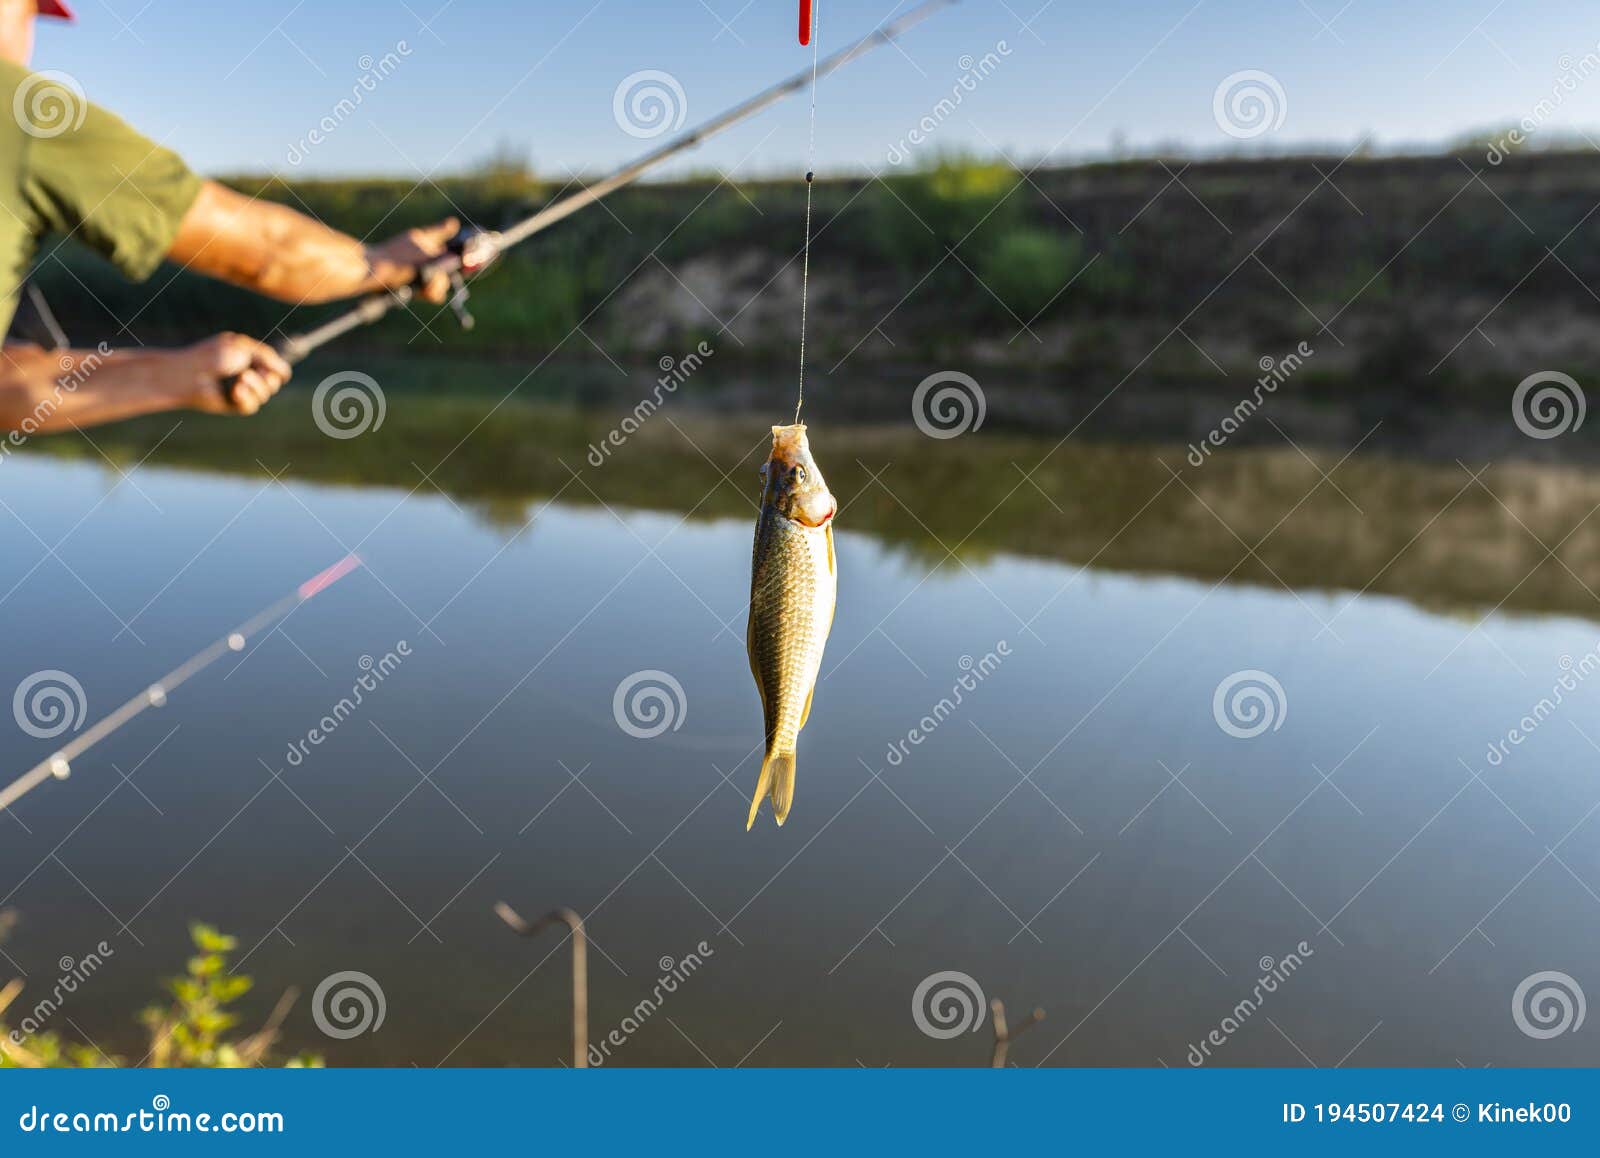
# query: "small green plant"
190, 1031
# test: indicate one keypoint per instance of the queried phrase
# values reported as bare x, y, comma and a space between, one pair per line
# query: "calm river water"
1089, 830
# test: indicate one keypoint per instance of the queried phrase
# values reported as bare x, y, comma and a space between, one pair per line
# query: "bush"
1028, 268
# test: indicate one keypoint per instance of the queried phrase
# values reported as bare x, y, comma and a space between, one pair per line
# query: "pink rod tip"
325, 579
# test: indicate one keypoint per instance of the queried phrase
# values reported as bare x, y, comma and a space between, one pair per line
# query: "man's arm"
273, 250
45, 391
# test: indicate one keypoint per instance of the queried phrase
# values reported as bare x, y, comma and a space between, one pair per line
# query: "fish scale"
789, 651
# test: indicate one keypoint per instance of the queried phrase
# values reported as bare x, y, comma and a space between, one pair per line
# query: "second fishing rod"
472, 248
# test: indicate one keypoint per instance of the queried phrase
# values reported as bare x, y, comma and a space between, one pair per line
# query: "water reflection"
1444, 534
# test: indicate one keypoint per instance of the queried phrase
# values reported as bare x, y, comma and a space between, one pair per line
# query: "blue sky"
234, 85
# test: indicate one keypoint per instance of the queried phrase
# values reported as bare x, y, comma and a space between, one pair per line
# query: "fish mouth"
804, 516
789, 443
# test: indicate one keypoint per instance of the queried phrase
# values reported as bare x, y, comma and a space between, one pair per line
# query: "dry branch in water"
580, 968
1005, 1034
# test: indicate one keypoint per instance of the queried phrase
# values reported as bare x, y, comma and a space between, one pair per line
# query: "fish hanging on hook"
794, 582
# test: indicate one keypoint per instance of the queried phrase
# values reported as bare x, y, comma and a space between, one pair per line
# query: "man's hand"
260, 370
48, 391
396, 262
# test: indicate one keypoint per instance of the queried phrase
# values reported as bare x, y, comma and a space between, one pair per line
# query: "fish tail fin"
782, 785
777, 781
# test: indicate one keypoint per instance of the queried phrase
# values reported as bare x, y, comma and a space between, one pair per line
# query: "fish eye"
799, 473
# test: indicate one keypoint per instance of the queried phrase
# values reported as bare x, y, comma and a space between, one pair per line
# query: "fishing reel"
472, 248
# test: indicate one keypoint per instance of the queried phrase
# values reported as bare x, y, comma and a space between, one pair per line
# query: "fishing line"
59, 764
811, 175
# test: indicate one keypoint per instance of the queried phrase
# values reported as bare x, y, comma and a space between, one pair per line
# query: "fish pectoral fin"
833, 570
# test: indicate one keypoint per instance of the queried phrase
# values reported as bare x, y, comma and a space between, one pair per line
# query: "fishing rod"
59, 764
483, 246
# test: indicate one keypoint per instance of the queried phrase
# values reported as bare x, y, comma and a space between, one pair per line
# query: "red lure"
805, 22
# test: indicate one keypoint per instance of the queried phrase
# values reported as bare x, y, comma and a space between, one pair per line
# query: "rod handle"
289, 347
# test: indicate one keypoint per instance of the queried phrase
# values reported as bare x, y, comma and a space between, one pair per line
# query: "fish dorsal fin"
806, 713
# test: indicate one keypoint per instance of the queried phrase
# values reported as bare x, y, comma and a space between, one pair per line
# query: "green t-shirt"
67, 166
